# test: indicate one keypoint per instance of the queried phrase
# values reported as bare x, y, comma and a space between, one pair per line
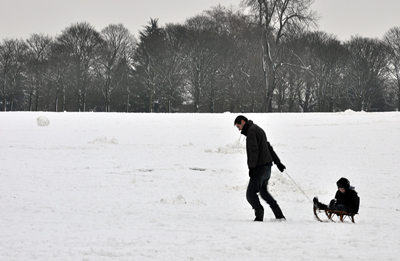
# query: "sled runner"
342, 215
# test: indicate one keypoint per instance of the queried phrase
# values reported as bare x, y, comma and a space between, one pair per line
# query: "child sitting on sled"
346, 198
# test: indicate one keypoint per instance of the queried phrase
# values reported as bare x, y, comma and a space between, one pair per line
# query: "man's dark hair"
239, 119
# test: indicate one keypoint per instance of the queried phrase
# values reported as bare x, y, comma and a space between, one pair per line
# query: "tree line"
264, 58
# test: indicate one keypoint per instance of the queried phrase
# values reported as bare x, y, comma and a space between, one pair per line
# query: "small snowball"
43, 121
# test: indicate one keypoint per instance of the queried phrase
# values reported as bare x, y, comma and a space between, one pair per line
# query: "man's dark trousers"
259, 184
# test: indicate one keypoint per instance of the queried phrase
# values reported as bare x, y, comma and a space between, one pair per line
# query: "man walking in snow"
260, 156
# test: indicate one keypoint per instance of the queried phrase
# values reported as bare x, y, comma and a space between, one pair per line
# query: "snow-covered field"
96, 186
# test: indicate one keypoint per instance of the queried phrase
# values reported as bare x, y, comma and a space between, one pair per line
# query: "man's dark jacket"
259, 151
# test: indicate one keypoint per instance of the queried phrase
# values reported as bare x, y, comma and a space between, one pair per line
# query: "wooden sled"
342, 215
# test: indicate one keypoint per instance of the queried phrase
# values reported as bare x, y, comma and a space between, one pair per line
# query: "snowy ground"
94, 186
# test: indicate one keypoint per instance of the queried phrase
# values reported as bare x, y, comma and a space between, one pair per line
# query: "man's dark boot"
278, 213
259, 214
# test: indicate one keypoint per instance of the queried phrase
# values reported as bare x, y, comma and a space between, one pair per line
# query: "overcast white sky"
367, 18
21, 18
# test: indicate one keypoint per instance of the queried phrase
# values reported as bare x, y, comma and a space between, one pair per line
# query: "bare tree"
366, 73
81, 42
39, 52
230, 51
327, 67
118, 45
12, 62
392, 39
277, 19
320, 73
242, 64
59, 76
171, 69
199, 59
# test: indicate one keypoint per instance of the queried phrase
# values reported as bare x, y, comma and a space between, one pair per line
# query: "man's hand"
252, 173
281, 167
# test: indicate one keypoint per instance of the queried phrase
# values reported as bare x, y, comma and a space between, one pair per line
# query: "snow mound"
43, 121
104, 140
232, 148
350, 111
178, 200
